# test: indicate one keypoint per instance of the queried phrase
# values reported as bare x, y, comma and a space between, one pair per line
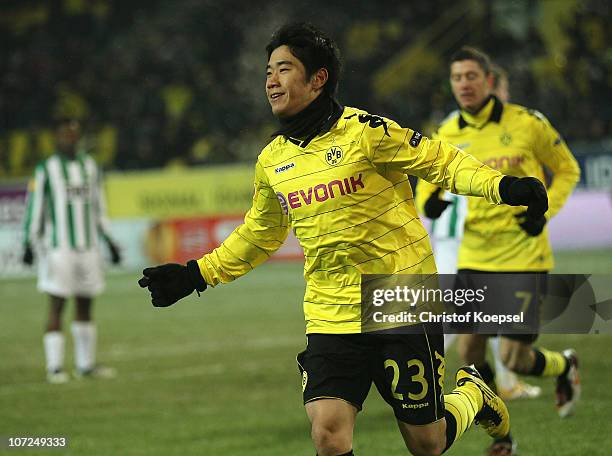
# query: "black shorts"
510, 293
407, 369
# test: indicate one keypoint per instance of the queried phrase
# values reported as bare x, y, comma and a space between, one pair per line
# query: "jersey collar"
490, 112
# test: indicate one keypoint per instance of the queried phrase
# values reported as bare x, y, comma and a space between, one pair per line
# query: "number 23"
419, 377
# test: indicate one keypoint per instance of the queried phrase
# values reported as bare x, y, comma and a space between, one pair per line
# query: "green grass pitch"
216, 375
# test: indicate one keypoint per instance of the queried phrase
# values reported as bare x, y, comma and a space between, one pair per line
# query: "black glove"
531, 226
170, 282
434, 206
525, 191
28, 255
114, 252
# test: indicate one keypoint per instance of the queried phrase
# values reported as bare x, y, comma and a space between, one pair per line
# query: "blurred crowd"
181, 83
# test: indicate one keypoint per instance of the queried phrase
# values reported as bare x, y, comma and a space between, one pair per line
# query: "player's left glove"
434, 206
532, 226
114, 252
170, 282
28, 255
524, 191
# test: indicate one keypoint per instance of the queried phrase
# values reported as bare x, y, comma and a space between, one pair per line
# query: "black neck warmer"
484, 103
318, 117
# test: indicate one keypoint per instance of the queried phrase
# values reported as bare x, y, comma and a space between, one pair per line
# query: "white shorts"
446, 251
67, 273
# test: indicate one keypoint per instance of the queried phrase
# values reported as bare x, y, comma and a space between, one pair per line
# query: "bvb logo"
334, 156
505, 138
304, 380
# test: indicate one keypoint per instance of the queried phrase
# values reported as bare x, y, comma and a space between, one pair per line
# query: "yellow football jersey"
516, 141
347, 198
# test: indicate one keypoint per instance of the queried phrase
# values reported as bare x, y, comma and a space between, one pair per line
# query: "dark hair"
498, 74
471, 53
313, 48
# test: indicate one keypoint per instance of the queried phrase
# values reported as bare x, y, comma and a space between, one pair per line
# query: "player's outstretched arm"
446, 166
443, 165
170, 282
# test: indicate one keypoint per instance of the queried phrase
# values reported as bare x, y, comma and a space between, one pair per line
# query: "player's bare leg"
518, 356
56, 307
525, 359
332, 422
83, 309
53, 341
427, 440
509, 385
472, 348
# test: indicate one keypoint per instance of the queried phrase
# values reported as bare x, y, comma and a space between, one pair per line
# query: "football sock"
84, 335
53, 341
548, 363
504, 378
461, 405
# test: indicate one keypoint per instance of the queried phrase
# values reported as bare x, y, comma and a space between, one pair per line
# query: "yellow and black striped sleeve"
437, 162
552, 151
264, 230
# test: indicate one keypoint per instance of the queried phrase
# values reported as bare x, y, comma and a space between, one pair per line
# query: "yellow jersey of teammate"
347, 198
516, 141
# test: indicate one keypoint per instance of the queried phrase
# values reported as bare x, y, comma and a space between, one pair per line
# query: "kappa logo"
304, 380
284, 168
334, 156
419, 405
372, 120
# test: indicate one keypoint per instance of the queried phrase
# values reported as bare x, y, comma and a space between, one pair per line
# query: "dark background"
182, 82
